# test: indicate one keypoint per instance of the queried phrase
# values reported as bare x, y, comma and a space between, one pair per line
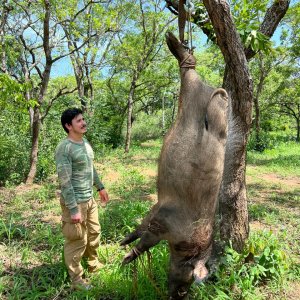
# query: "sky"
64, 67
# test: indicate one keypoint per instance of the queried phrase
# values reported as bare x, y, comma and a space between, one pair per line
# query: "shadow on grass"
41, 282
270, 200
280, 161
42, 235
260, 211
287, 199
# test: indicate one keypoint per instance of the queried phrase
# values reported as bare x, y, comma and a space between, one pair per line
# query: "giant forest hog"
189, 176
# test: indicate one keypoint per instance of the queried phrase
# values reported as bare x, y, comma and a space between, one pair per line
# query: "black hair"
68, 115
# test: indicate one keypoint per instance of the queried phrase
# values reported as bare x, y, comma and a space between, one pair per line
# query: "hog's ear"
216, 120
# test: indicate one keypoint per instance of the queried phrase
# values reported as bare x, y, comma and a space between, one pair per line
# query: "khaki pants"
81, 239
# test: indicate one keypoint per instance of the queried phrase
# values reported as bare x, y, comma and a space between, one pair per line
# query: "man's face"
78, 125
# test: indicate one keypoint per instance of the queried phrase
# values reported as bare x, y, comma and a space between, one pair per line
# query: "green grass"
31, 241
283, 160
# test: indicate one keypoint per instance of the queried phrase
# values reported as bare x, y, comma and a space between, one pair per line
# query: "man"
77, 175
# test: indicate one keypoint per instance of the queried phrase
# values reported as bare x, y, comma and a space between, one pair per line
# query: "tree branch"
271, 20
59, 94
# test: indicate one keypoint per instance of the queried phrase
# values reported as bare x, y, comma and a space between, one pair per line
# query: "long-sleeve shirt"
76, 172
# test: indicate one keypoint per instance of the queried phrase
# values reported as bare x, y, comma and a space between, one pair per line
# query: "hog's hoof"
125, 241
129, 257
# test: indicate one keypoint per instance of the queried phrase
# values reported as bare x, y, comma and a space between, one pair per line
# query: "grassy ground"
31, 242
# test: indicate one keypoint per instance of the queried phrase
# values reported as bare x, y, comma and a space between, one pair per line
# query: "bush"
268, 140
149, 127
238, 274
14, 159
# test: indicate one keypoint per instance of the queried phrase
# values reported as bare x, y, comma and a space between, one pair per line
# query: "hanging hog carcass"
189, 176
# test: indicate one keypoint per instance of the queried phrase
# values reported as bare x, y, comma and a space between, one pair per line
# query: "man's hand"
103, 196
76, 218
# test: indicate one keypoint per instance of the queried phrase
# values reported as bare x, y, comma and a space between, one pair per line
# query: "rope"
186, 64
190, 9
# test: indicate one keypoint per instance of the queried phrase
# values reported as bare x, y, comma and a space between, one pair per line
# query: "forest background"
113, 62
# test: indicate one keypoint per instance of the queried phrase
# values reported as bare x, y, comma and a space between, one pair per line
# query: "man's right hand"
76, 218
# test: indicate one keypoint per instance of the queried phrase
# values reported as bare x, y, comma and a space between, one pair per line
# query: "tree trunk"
262, 75
36, 124
129, 116
3, 19
258, 145
298, 129
34, 145
238, 83
234, 225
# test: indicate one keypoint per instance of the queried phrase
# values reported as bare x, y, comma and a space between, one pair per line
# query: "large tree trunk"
233, 201
238, 83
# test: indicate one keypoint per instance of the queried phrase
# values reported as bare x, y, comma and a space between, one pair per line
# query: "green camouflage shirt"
76, 172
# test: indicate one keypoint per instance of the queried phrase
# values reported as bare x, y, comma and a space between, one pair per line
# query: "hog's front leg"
152, 230
148, 240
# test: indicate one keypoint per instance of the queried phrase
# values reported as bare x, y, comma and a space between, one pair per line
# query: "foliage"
105, 121
12, 94
31, 239
269, 139
239, 274
14, 145
247, 16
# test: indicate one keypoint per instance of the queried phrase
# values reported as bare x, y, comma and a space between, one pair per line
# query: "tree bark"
129, 114
3, 19
34, 145
36, 124
298, 130
238, 83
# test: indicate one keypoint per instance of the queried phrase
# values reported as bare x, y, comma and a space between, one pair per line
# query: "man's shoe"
96, 268
81, 285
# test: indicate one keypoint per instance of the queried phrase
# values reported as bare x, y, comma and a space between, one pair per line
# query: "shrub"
238, 274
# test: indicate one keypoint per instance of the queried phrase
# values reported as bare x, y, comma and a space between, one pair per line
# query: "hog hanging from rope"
189, 176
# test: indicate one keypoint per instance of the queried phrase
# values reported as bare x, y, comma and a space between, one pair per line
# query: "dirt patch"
112, 176
292, 181
25, 188
293, 292
151, 197
51, 219
257, 225
149, 144
149, 172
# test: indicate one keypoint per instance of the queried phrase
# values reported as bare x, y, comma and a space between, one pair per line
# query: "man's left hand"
103, 196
